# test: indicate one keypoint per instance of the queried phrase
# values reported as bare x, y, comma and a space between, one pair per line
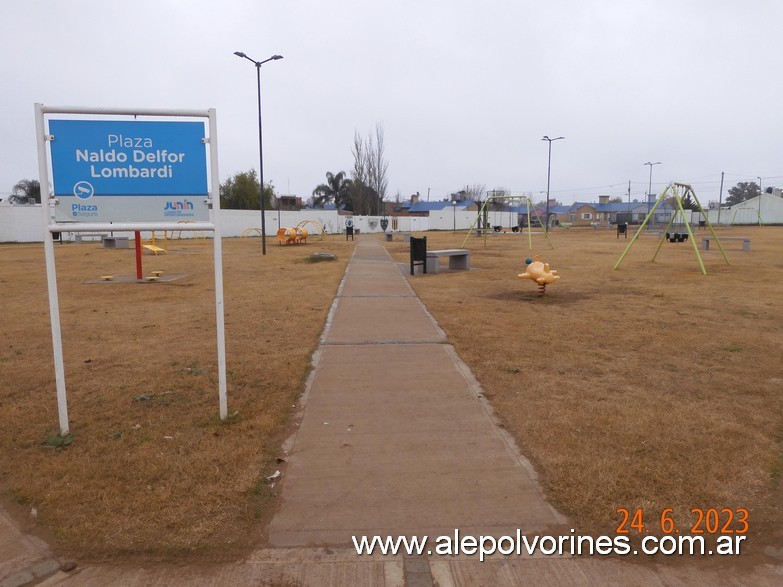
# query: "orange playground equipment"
292, 236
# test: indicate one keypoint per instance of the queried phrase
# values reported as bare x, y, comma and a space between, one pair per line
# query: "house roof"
436, 206
323, 207
614, 206
534, 210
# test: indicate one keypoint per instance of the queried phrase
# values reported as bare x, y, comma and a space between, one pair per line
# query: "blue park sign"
128, 171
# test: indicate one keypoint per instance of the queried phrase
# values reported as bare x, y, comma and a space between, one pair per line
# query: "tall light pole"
649, 188
548, 173
258, 65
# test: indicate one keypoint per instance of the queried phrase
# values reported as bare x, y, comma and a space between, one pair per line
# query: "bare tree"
476, 191
359, 173
378, 165
369, 175
498, 197
359, 153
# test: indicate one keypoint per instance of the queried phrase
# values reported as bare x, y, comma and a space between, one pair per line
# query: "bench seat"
705, 242
80, 236
116, 242
458, 259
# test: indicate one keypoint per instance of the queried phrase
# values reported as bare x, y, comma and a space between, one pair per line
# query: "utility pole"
649, 192
720, 197
760, 192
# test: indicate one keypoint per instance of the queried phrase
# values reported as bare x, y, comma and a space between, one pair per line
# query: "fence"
24, 224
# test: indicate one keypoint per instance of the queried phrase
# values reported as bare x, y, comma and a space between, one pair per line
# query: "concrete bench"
458, 259
705, 242
116, 242
80, 236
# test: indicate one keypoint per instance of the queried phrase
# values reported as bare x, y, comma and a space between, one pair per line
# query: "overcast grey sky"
464, 89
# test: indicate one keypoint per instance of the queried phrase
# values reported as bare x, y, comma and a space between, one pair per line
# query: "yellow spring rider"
539, 272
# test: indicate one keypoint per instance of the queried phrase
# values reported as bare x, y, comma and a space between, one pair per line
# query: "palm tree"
337, 189
24, 190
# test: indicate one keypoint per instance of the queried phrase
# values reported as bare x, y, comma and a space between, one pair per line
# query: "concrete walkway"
395, 439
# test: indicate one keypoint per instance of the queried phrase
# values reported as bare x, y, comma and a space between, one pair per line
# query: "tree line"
26, 191
365, 191
362, 193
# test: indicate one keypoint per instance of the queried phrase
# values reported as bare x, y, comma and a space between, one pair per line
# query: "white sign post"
128, 170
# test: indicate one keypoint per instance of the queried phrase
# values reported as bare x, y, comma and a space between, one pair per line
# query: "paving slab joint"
416, 570
33, 574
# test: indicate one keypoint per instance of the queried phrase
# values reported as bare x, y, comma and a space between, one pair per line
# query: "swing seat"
677, 237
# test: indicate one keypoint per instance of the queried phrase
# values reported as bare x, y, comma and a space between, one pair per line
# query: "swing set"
678, 192
483, 214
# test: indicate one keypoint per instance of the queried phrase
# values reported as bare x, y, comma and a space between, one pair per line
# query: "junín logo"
178, 206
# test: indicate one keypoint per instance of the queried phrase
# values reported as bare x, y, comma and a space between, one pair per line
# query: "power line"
705, 182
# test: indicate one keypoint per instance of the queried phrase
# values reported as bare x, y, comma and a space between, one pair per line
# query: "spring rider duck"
540, 273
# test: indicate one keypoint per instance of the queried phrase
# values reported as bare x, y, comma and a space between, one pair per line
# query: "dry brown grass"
652, 386
140, 363
648, 387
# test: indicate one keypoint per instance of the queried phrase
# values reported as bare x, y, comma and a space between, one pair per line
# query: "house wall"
639, 212
769, 208
582, 216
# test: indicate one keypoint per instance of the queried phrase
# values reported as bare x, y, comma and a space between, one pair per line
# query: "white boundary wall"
23, 223
20, 224
770, 208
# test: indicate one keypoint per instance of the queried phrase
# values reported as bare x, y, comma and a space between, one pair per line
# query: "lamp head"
277, 56
239, 54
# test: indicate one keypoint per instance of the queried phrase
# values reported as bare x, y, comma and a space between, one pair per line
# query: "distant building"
763, 209
606, 213
415, 207
289, 203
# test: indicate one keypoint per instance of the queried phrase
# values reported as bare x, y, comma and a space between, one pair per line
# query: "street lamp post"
258, 65
454, 208
649, 189
548, 173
